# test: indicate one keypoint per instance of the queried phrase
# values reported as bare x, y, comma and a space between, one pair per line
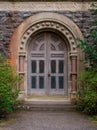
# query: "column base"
21, 95
73, 97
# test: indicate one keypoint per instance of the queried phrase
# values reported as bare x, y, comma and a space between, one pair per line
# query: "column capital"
22, 54
73, 54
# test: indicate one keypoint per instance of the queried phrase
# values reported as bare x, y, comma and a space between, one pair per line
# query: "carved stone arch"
41, 22
24, 45
70, 31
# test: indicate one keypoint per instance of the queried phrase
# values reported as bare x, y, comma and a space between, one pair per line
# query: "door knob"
48, 75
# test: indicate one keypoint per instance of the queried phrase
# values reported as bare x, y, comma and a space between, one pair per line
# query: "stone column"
74, 73
73, 76
21, 64
21, 71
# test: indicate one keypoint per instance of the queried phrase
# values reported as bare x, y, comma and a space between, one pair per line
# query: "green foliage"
87, 94
8, 87
89, 45
90, 49
93, 8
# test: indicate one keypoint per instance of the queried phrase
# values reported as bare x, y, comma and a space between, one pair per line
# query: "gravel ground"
48, 120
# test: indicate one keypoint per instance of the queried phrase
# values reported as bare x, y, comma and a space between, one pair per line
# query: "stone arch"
52, 21
39, 22
53, 30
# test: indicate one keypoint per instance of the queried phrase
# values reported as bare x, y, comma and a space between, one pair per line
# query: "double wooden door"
47, 64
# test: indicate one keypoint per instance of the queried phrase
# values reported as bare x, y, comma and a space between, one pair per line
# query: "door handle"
48, 75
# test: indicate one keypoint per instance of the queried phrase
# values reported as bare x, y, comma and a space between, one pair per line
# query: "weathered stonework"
45, 6
17, 15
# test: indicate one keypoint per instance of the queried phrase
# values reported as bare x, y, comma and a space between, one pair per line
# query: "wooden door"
47, 64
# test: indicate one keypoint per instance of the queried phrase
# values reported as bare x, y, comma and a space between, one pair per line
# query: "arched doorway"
47, 64
44, 61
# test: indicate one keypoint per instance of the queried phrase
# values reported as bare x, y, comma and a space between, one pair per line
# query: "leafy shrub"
87, 94
8, 87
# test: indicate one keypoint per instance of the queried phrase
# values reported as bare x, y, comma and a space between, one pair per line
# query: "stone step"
48, 107
37, 104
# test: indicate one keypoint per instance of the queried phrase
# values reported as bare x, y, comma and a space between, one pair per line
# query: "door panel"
41, 82
57, 75
53, 66
53, 82
33, 82
61, 66
33, 66
41, 66
47, 64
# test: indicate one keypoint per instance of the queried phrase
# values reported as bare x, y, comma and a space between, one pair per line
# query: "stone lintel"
44, 6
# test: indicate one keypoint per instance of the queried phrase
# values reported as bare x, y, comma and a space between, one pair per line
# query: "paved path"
48, 120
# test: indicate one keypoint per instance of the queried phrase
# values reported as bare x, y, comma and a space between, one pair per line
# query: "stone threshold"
47, 103
47, 100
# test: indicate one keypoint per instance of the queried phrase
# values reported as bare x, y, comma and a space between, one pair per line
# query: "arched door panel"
47, 64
